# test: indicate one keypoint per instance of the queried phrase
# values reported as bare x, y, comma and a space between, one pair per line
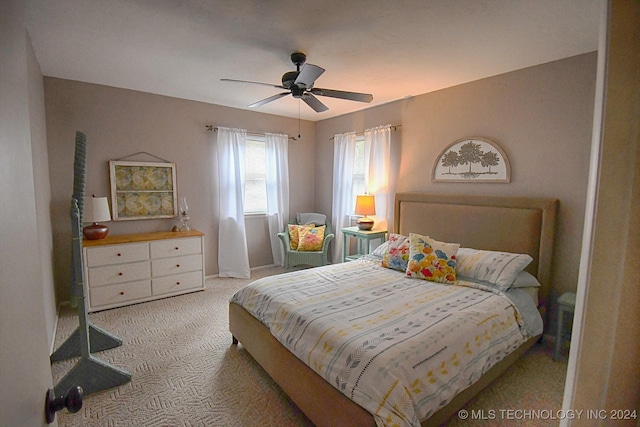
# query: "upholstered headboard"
500, 223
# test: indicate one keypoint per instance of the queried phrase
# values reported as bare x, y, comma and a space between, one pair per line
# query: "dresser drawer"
177, 283
182, 264
118, 294
117, 254
175, 247
99, 276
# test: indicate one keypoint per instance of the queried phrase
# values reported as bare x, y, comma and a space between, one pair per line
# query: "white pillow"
498, 269
380, 250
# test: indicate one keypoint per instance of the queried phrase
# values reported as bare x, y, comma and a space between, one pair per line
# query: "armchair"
294, 257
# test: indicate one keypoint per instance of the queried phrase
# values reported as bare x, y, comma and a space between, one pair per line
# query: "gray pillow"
525, 279
311, 218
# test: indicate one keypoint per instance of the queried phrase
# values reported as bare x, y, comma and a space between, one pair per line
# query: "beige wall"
541, 117
120, 122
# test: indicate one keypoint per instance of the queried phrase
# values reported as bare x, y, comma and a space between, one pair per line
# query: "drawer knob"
177, 248
178, 265
119, 254
121, 292
177, 283
120, 274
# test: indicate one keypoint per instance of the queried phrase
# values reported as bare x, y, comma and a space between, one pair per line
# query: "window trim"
362, 177
261, 140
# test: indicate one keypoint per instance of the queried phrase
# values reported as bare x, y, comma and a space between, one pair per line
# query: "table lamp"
365, 205
97, 211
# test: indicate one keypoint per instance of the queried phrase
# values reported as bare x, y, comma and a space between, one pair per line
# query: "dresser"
131, 268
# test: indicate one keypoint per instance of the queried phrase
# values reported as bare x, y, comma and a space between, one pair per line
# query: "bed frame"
510, 224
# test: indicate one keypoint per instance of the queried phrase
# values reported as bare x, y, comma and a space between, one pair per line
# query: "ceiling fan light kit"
300, 83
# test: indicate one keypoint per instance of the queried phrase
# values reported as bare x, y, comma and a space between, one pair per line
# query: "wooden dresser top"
141, 237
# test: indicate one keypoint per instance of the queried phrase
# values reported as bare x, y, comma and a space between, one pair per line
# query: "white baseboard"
261, 267
55, 327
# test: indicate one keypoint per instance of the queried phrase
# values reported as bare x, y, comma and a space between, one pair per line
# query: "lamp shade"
98, 210
365, 204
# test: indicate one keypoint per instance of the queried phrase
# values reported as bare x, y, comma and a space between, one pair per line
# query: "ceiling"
391, 49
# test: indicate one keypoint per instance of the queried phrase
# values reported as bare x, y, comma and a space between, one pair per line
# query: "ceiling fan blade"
314, 103
269, 99
308, 75
254, 83
351, 96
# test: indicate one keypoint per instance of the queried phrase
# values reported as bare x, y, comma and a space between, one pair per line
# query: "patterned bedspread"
399, 347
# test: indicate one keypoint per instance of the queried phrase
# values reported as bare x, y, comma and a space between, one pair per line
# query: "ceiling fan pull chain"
298, 119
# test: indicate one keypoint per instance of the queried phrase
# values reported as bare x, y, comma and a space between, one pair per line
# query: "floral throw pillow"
311, 238
397, 254
294, 235
432, 260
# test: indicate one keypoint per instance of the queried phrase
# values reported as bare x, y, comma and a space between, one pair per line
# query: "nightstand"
566, 305
364, 238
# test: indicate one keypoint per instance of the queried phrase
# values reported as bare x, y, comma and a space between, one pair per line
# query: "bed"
517, 225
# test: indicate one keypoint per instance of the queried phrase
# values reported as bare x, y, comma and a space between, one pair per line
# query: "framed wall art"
472, 159
143, 190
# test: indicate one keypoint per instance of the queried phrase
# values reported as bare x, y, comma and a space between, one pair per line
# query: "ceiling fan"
299, 84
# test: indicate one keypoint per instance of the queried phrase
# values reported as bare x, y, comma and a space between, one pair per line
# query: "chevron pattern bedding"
399, 347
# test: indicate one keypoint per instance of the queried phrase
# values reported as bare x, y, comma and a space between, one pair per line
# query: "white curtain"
233, 255
377, 146
277, 171
344, 151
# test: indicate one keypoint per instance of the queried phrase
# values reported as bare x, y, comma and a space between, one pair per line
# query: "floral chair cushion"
310, 238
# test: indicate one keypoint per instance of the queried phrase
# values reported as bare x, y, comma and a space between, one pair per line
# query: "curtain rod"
392, 127
212, 128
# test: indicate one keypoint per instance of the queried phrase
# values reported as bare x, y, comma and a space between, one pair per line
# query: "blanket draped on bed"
399, 347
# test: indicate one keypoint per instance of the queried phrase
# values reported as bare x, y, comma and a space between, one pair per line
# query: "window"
255, 186
358, 186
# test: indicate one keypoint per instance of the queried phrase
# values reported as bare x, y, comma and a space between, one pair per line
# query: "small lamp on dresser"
97, 211
365, 205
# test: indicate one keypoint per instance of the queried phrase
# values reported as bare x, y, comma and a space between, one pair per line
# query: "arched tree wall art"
472, 159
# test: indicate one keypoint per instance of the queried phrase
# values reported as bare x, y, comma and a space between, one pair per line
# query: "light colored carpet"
186, 372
